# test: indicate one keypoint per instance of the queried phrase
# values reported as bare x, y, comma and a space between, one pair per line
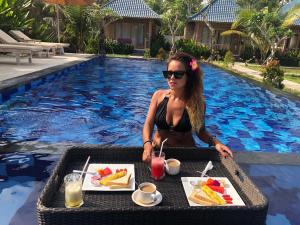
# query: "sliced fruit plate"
110, 177
210, 191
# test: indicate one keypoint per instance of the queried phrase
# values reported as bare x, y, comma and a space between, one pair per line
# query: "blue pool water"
106, 103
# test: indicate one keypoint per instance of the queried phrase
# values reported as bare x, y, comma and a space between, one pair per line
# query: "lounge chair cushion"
20, 36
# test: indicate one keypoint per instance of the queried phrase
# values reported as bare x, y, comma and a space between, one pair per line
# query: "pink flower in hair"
194, 64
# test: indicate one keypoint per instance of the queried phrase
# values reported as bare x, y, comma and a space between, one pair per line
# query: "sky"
289, 6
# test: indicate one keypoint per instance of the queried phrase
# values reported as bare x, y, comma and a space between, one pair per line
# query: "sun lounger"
20, 50
20, 36
6, 39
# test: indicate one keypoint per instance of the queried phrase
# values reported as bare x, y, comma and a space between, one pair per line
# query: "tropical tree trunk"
173, 48
213, 39
102, 41
189, 9
173, 30
274, 48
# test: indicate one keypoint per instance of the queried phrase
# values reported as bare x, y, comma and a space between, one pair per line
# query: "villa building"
294, 41
221, 14
137, 25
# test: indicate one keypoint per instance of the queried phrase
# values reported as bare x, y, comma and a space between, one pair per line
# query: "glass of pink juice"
157, 165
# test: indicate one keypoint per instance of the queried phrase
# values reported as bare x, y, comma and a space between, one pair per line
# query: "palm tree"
265, 25
77, 27
43, 26
14, 14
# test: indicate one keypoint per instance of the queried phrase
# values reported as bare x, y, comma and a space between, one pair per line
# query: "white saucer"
158, 199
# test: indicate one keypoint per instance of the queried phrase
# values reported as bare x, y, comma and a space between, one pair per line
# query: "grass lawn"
256, 67
290, 73
117, 56
221, 65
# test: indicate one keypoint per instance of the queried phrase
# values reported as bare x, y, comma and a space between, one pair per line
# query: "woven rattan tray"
118, 208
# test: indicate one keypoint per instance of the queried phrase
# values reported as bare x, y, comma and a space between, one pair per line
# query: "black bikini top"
184, 124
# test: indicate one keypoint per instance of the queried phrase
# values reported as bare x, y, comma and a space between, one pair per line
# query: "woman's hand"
223, 150
147, 152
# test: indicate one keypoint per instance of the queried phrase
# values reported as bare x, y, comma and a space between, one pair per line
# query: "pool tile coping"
18, 85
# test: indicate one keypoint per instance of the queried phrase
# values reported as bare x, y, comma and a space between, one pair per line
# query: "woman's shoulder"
161, 93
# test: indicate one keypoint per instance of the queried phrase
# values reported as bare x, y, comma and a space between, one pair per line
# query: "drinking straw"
161, 147
85, 165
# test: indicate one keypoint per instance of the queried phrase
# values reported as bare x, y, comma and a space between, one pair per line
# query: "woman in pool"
180, 110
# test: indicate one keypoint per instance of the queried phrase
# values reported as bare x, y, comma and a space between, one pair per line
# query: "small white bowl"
173, 168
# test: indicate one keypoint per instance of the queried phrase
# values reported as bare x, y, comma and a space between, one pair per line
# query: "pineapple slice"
105, 181
213, 195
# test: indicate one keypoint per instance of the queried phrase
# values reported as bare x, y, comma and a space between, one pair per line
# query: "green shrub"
273, 75
127, 49
125, 41
161, 55
115, 47
158, 42
221, 54
147, 53
92, 45
205, 52
111, 46
229, 58
250, 53
193, 48
288, 58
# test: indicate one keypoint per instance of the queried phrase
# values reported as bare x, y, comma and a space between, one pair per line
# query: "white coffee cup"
146, 193
172, 166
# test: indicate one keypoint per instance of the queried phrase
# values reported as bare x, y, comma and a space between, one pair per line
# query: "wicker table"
117, 207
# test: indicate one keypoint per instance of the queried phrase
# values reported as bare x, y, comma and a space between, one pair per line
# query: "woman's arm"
205, 136
148, 127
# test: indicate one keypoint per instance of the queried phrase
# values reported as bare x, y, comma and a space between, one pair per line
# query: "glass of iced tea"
73, 190
157, 165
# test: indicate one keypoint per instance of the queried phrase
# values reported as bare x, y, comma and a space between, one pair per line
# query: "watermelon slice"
105, 172
209, 181
219, 189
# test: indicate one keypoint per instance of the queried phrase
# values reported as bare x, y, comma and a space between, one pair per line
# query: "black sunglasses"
177, 74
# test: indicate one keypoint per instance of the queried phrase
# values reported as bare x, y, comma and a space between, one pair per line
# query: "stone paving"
241, 68
9, 69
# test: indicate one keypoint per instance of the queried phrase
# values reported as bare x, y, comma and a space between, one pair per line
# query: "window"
122, 31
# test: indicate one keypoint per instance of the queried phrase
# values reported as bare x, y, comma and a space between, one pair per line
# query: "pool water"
106, 103
22, 178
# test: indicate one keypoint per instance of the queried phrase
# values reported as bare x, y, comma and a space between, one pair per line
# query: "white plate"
88, 186
229, 189
158, 199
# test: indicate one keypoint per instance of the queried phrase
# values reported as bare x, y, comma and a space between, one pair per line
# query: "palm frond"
243, 17
291, 16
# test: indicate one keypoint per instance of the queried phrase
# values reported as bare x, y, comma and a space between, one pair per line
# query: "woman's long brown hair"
193, 93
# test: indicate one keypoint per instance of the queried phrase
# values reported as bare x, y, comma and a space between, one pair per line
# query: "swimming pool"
106, 102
